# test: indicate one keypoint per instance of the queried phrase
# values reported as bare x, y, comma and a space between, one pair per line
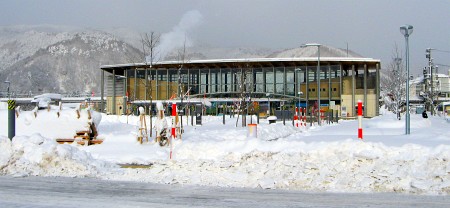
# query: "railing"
13, 94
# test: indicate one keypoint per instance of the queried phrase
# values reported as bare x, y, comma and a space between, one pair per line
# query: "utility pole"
431, 77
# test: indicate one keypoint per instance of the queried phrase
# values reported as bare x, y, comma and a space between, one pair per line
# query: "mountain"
43, 60
325, 51
60, 59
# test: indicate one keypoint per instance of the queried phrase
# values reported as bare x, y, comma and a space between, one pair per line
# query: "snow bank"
48, 124
39, 156
319, 158
350, 166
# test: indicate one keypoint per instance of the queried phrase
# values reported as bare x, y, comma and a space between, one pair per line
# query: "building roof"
248, 62
289, 57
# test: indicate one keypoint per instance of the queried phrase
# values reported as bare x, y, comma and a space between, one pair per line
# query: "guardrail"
13, 94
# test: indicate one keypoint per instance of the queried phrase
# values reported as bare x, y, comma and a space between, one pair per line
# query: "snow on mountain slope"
38, 61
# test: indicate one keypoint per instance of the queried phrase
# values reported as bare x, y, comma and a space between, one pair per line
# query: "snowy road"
86, 192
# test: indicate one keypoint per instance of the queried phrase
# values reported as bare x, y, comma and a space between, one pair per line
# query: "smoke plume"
179, 34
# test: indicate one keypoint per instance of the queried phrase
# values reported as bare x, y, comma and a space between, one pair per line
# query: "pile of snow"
39, 156
45, 99
48, 124
350, 166
316, 158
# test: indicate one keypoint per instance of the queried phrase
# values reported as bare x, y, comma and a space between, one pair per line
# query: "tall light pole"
318, 76
300, 93
8, 82
407, 30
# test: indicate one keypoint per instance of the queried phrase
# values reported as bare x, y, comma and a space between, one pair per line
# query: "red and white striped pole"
303, 117
360, 131
174, 114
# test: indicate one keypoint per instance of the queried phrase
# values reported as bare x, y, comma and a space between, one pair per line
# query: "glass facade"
341, 82
281, 81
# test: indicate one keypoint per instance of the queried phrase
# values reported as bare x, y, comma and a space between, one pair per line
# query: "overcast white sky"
370, 28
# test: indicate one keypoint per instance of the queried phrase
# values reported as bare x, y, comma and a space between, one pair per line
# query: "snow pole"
11, 119
174, 115
303, 117
173, 135
360, 131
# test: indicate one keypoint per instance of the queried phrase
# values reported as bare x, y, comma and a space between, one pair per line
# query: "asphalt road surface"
88, 192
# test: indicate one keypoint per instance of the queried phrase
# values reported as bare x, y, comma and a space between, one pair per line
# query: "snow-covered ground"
319, 158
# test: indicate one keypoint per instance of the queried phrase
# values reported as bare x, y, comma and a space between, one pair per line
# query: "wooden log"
17, 110
35, 111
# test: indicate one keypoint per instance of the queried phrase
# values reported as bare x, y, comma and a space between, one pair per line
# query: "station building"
271, 82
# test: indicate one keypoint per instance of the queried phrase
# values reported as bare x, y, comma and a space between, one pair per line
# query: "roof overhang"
239, 63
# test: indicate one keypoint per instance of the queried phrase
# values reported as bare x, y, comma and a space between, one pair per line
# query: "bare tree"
394, 84
182, 59
244, 95
149, 43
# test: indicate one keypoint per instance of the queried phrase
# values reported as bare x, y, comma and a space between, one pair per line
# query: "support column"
209, 81
220, 80
146, 84
114, 93
365, 91
124, 100
329, 85
377, 88
353, 90
274, 80
264, 79
135, 84
296, 82
156, 85
340, 84
284, 80
167, 85
253, 80
102, 92
188, 80
307, 89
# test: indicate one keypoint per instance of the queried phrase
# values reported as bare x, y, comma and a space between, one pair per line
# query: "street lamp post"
407, 30
300, 93
318, 76
306, 101
268, 103
9, 96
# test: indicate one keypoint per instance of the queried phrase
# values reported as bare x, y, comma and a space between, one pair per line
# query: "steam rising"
179, 34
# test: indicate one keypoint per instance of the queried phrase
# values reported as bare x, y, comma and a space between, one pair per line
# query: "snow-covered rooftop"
302, 54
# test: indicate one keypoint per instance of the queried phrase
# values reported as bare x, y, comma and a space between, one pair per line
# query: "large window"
226, 80
249, 80
269, 79
204, 81
214, 80
193, 81
279, 80
290, 81
258, 79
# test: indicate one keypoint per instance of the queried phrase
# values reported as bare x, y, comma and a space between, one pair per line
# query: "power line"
443, 65
444, 51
